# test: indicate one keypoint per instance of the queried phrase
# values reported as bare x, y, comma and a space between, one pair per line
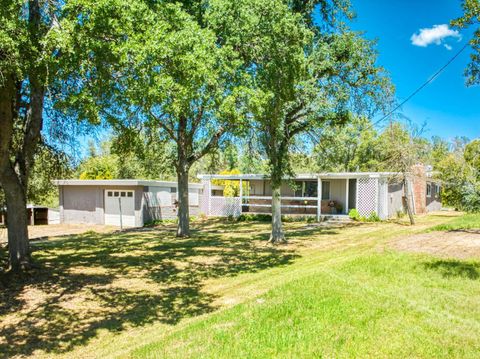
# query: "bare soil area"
461, 244
58, 230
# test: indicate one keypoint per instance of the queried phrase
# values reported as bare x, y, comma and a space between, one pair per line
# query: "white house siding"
338, 190
395, 199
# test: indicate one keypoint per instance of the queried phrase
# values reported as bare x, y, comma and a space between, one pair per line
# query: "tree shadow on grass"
455, 268
112, 282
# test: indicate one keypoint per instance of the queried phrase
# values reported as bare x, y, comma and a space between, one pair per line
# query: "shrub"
373, 218
353, 214
247, 217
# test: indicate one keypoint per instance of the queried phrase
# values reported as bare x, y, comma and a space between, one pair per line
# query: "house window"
116, 194
173, 189
310, 189
325, 190
123, 194
299, 188
305, 189
110, 194
437, 190
429, 190
129, 194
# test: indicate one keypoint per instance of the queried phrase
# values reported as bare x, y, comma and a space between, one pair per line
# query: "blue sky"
447, 106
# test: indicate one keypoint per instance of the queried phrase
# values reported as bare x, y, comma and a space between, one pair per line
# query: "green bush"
247, 217
353, 214
373, 218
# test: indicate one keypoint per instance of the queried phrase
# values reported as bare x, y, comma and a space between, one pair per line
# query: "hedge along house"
322, 195
125, 203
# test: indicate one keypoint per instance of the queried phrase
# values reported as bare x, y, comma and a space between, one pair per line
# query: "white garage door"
120, 208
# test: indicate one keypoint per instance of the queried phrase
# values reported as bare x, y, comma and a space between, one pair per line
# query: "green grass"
331, 292
465, 222
376, 305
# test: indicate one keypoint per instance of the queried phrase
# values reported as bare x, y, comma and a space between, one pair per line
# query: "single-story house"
323, 194
126, 203
132, 203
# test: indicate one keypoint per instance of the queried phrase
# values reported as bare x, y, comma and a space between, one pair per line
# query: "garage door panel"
120, 202
114, 220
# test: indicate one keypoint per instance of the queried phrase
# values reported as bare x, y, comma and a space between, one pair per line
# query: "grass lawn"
465, 222
331, 292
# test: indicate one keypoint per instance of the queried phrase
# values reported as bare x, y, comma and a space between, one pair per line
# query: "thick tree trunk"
183, 229
277, 235
17, 222
409, 200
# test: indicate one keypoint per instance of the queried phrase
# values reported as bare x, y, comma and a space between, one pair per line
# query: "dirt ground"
462, 244
58, 230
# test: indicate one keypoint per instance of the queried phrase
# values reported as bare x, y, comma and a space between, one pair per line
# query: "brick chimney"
419, 179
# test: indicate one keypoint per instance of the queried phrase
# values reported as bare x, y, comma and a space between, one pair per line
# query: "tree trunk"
17, 222
277, 235
183, 229
409, 200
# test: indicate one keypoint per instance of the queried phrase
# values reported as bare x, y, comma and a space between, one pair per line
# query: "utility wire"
425, 84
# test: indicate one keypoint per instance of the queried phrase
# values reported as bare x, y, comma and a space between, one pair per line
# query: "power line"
425, 84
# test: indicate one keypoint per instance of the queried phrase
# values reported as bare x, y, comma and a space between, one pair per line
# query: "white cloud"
448, 47
434, 35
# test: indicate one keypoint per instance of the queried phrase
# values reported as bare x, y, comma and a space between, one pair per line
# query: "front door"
120, 208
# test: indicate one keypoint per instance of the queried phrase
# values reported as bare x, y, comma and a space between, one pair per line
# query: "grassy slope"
224, 293
362, 303
468, 221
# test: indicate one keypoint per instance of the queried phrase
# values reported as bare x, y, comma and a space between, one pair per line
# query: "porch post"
319, 198
241, 197
209, 201
347, 187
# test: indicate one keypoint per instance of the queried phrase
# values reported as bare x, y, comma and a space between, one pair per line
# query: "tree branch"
211, 144
167, 129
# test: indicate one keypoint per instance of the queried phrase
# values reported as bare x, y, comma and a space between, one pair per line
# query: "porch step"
337, 219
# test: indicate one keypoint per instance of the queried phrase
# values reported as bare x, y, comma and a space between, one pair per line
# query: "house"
125, 203
323, 195
132, 203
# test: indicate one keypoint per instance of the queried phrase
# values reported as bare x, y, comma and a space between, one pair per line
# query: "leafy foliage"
471, 17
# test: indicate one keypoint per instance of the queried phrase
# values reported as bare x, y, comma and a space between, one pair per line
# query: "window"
298, 189
305, 189
123, 194
429, 190
310, 189
325, 190
110, 194
130, 194
116, 194
437, 189
173, 189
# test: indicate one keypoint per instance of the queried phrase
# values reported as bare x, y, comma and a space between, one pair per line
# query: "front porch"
301, 197
310, 195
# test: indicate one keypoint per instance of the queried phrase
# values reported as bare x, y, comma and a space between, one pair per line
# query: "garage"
122, 203
119, 208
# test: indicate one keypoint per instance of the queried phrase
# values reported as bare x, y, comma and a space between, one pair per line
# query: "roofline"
339, 175
120, 182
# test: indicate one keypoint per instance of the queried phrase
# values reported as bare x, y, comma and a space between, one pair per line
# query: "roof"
121, 182
305, 176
